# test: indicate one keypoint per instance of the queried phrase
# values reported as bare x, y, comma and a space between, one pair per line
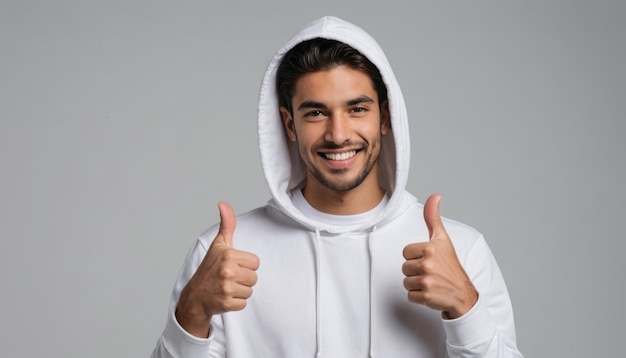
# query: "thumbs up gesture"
222, 283
434, 275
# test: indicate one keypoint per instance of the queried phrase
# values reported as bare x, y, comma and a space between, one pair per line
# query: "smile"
340, 156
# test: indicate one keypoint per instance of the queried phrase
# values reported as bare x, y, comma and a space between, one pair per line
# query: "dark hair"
321, 54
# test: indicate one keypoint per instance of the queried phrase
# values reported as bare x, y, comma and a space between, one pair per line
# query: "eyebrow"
311, 104
358, 100
318, 105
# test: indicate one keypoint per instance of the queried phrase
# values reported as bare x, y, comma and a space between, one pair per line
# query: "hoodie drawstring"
370, 246
318, 274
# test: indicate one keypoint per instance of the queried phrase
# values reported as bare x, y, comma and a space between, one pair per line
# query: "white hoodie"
332, 286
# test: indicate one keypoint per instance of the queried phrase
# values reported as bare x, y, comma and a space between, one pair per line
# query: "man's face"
337, 123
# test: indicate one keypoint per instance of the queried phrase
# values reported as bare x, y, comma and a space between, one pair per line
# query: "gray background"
124, 122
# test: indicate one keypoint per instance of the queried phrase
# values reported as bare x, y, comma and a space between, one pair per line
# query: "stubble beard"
335, 183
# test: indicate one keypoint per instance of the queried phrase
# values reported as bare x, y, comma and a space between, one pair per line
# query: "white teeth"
340, 156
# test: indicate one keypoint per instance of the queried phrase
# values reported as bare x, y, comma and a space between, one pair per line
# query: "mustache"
334, 146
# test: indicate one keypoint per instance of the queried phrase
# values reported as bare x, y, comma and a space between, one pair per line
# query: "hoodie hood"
282, 166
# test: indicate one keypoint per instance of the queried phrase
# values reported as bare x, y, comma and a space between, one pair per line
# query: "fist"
434, 276
223, 281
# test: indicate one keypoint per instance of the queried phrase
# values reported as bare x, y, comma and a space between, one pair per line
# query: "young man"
342, 262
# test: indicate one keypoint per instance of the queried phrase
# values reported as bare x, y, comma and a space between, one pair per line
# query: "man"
342, 262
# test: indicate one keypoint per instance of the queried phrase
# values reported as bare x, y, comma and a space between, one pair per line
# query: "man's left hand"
434, 275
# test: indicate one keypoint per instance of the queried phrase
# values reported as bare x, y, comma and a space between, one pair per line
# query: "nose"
338, 129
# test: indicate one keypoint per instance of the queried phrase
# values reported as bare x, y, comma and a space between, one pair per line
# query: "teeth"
340, 156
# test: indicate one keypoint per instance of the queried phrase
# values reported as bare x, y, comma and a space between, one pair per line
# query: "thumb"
432, 217
228, 222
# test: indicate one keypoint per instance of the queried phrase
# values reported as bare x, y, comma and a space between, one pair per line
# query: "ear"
385, 118
288, 123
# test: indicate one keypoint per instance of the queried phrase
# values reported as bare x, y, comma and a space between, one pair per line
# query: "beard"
338, 179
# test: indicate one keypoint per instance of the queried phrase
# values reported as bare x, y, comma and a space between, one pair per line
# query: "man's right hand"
222, 283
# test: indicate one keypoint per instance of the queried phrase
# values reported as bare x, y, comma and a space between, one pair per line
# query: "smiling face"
337, 123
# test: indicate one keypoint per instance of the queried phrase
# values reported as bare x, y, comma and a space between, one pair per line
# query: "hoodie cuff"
472, 328
180, 343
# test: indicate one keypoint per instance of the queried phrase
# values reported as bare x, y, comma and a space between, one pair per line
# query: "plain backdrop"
124, 122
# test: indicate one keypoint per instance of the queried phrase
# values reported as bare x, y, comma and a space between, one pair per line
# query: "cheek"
369, 127
309, 136
304, 146
372, 133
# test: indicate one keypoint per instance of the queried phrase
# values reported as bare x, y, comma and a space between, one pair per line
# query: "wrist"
465, 305
193, 318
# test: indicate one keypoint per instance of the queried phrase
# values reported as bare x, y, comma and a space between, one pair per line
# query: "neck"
363, 198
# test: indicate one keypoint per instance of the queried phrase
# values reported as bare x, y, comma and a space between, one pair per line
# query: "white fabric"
333, 288
344, 273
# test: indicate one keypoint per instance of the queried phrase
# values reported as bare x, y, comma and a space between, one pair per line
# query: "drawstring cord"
318, 315
318, 274
370, 246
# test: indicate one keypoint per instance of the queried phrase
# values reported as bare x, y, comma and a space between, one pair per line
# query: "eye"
315, 113
359, 109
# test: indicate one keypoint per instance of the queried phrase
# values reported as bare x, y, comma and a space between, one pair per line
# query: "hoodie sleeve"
175, 342
488, 329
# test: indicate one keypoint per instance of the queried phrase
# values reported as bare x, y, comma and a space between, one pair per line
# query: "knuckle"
226, 272
427, 266
427, 283
430, 250
228, 255
224, 289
